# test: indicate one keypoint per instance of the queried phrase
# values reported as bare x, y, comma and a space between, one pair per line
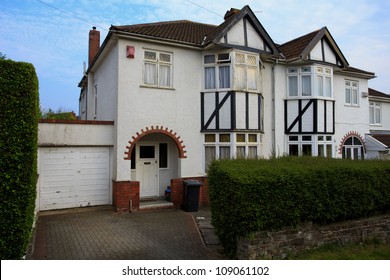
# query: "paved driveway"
100, 233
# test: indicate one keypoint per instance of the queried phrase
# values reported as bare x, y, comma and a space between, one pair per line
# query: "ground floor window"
230, 145
310, 145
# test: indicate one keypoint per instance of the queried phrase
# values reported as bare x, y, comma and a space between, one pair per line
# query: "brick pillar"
177, 192
125, 195
134, 194
204, 193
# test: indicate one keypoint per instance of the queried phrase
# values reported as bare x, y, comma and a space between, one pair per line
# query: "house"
378, 140
176, 95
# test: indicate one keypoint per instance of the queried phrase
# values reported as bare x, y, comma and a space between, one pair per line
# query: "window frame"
314, 140
317, 73
159, 63
375, 107
217, 64
351, 89
217, 141
247, 67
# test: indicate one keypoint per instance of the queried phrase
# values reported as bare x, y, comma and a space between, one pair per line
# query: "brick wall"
177, 191
126, 195
280, 244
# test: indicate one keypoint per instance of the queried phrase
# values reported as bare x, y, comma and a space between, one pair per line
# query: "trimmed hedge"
18, 148
252, 195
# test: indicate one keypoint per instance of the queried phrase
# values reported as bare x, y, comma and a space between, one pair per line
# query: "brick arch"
156, 129
348, 135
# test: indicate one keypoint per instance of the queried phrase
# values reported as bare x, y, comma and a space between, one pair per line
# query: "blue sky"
56, 42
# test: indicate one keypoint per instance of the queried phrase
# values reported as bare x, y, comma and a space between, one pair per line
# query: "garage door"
73, 177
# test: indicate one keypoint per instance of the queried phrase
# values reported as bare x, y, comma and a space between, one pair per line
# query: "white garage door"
73, 177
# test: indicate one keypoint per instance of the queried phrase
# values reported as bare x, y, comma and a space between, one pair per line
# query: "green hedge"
251, 195
18, 148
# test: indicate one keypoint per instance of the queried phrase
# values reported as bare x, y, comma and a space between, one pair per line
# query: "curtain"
328, 86
209, 78
224, 77
252, 152
165, 76
306, 85
252, 78
240, 77
150, 74
293, 86
209, 156
240, 152
224, 152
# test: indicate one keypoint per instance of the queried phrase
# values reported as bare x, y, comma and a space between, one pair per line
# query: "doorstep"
155, 204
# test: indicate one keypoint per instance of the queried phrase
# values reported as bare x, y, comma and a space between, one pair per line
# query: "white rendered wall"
178, 109
59, 134
350, 118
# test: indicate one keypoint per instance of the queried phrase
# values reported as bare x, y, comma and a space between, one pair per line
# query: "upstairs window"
157, 69
375, 113
245, 72
310, 81
351, 93
217, 71
324, 81
299, 81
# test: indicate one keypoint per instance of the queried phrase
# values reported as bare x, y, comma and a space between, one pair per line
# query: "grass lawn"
367, 251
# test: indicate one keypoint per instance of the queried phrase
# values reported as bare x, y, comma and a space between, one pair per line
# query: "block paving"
99, 233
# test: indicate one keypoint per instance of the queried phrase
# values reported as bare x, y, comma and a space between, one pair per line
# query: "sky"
53, 34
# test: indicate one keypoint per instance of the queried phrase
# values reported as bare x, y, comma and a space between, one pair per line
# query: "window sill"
352, 106
155, 87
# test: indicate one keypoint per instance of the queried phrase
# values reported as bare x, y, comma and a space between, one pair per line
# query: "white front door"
147, 169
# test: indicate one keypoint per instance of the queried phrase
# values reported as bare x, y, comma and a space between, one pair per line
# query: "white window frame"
247, 66
353, 88
375, 113
319, 85
299, 73
217, 64
323, 74
159, 63
314, 140
232, 144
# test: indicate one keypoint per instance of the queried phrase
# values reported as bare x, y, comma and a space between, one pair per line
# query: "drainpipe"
273, 108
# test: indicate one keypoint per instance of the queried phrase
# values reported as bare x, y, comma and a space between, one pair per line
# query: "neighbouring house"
160, 101
378, 139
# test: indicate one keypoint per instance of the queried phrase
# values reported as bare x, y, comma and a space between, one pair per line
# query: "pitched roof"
383, 138
294, 48
183, 31
194, 33
373, 92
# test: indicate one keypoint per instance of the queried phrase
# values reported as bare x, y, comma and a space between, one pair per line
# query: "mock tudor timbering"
216, 92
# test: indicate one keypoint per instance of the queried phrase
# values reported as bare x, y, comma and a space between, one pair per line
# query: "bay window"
230, 145
231, 70
245, 72
303, 82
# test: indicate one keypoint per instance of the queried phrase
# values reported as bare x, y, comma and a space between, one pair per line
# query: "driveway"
99, 233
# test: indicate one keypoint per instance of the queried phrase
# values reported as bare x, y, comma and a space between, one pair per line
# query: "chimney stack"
231, 13
94, 44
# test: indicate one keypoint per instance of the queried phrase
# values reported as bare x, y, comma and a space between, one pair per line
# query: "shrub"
18, 147
251, 195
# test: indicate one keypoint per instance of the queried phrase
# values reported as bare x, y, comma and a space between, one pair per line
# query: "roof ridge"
162, 23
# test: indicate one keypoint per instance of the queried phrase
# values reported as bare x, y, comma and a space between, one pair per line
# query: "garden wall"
287, 242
